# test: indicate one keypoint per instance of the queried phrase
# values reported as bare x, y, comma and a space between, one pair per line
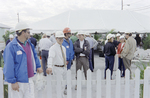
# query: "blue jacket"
69, 49
15, 62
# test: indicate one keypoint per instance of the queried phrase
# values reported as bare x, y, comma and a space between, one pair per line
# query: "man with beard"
67, 43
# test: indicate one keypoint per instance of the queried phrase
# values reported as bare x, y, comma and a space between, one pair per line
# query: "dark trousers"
44, 55
90, 61
93, 58
69, 64
109, 64
121, 67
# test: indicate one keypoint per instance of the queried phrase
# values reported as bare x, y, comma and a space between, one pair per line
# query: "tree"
146, 42
6, 35
37, 36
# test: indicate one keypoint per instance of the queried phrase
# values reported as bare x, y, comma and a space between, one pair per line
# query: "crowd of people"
125, 47
58, 52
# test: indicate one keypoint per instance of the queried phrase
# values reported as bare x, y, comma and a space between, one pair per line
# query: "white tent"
4, 26
95, 20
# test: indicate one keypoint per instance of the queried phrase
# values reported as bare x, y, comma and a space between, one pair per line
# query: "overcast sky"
34, 10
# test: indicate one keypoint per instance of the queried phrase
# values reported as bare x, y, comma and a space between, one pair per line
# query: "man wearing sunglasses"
21, 63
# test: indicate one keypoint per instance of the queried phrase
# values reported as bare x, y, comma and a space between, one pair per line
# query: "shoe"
65, 92
76, 87
122, 76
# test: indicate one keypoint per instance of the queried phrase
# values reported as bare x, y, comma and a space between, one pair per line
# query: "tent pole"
121, 4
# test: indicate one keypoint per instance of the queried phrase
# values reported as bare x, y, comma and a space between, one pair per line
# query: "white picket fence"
99, 82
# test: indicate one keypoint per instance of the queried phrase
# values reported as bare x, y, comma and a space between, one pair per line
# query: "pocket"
18, 58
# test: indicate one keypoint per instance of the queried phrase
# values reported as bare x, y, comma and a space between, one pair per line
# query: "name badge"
19, 52
67, 46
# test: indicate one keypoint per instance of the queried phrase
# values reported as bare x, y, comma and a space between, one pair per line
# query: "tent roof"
4, 26
95, 20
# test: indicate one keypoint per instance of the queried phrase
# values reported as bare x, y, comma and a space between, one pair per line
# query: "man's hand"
67, 62
39, 70
49, 70
119, 55
15, 86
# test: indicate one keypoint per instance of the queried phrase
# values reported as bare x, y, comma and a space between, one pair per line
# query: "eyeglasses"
60, 38
28, 32
69, 33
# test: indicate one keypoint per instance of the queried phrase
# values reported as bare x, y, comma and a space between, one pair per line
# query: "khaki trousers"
26, 90
127, 64
82, 61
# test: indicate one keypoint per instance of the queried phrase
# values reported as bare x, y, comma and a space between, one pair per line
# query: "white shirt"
106, 41
45, 44
122, 44
55, 55
93, 43
53, 39
81, 46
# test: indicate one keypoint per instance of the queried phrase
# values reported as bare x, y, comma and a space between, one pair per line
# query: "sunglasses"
69, 33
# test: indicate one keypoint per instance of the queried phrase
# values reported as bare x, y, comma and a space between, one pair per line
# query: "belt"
59, 65
81, 56
45, 50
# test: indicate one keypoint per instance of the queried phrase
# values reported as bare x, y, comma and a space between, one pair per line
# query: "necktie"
63, 55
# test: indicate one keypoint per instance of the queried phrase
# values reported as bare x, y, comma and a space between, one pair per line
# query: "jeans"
109, 64
90, 61
44, 55
121, 67
69, 64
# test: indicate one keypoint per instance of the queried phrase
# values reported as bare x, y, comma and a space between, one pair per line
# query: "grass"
5, 86
5, 91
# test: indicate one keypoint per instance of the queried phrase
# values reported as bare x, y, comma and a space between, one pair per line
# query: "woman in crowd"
120, 48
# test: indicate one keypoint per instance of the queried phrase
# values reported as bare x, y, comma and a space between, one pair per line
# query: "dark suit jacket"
33, 41
79, 50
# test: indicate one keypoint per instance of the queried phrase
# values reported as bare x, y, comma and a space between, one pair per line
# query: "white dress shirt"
81, 46
45, 44
53, 39
55, 55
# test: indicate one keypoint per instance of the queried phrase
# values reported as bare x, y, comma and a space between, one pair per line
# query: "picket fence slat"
98, 83
116, 62
59, 86
127, 83
49, 86
146, 89
69, 91
108, 84
79, 84
1, 84
137, 84
118, 84
9, 91
89, 85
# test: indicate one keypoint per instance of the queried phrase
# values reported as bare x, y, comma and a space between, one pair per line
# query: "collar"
21, 42
81, 41
57, 44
